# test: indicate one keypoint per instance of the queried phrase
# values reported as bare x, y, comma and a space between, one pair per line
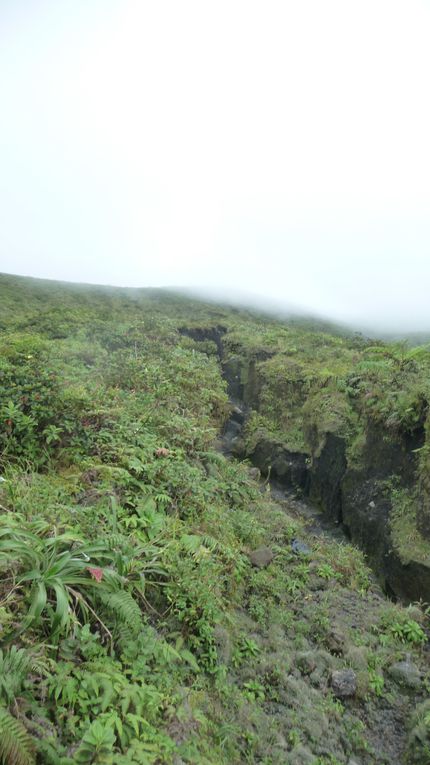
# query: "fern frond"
125, 638
195, 543
15, 665
16, 746
212, 458
125, 609
115, 541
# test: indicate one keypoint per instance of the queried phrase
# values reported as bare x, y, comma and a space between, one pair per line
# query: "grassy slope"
150, 639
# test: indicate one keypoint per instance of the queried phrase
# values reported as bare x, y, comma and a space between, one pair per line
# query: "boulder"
344, 683
261, 557
300, 548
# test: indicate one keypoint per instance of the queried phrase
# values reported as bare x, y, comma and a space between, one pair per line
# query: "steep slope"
159, 604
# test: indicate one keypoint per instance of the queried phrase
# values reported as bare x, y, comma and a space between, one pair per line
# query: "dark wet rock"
328, 470
366, 512
406, 673
261, 557
366, 508
409, 581
237, 415
232, 430
344, 683
300, 548
232, 373
202, 334
287, 467
423, 512
357, 496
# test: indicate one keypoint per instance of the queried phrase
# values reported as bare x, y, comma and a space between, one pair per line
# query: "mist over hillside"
388, 329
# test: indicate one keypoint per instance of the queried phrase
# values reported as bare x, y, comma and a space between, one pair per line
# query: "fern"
115, 541
48, 754
123, 606
16, 746
14, 668
196, 544
212, 458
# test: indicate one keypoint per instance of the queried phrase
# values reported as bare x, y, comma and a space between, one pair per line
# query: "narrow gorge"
355, 494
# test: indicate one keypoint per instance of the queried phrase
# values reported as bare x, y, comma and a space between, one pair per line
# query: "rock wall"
356, 497
353, 493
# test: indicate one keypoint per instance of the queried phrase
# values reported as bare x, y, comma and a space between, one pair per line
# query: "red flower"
96, 573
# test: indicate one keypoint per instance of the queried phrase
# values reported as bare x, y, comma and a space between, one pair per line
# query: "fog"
277, 148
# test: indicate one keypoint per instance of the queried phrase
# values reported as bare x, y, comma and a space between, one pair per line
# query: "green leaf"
38, 603
61, 615
190, 659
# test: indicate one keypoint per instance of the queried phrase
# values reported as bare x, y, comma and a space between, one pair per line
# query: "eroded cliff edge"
344, 423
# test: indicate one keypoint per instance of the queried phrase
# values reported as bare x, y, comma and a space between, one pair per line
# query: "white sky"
280, 147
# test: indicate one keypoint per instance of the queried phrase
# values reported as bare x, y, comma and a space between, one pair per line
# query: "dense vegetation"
134, 627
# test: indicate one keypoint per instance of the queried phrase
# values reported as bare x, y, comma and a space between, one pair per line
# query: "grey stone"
261, 557
254, 473
344, 683
300, 548
406, 673
237, 413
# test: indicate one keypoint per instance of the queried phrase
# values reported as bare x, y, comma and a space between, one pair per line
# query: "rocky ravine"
353, 496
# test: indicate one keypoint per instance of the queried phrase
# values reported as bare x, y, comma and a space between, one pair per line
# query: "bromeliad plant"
62, 580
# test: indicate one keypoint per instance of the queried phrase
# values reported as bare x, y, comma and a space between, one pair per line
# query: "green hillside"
160, 604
